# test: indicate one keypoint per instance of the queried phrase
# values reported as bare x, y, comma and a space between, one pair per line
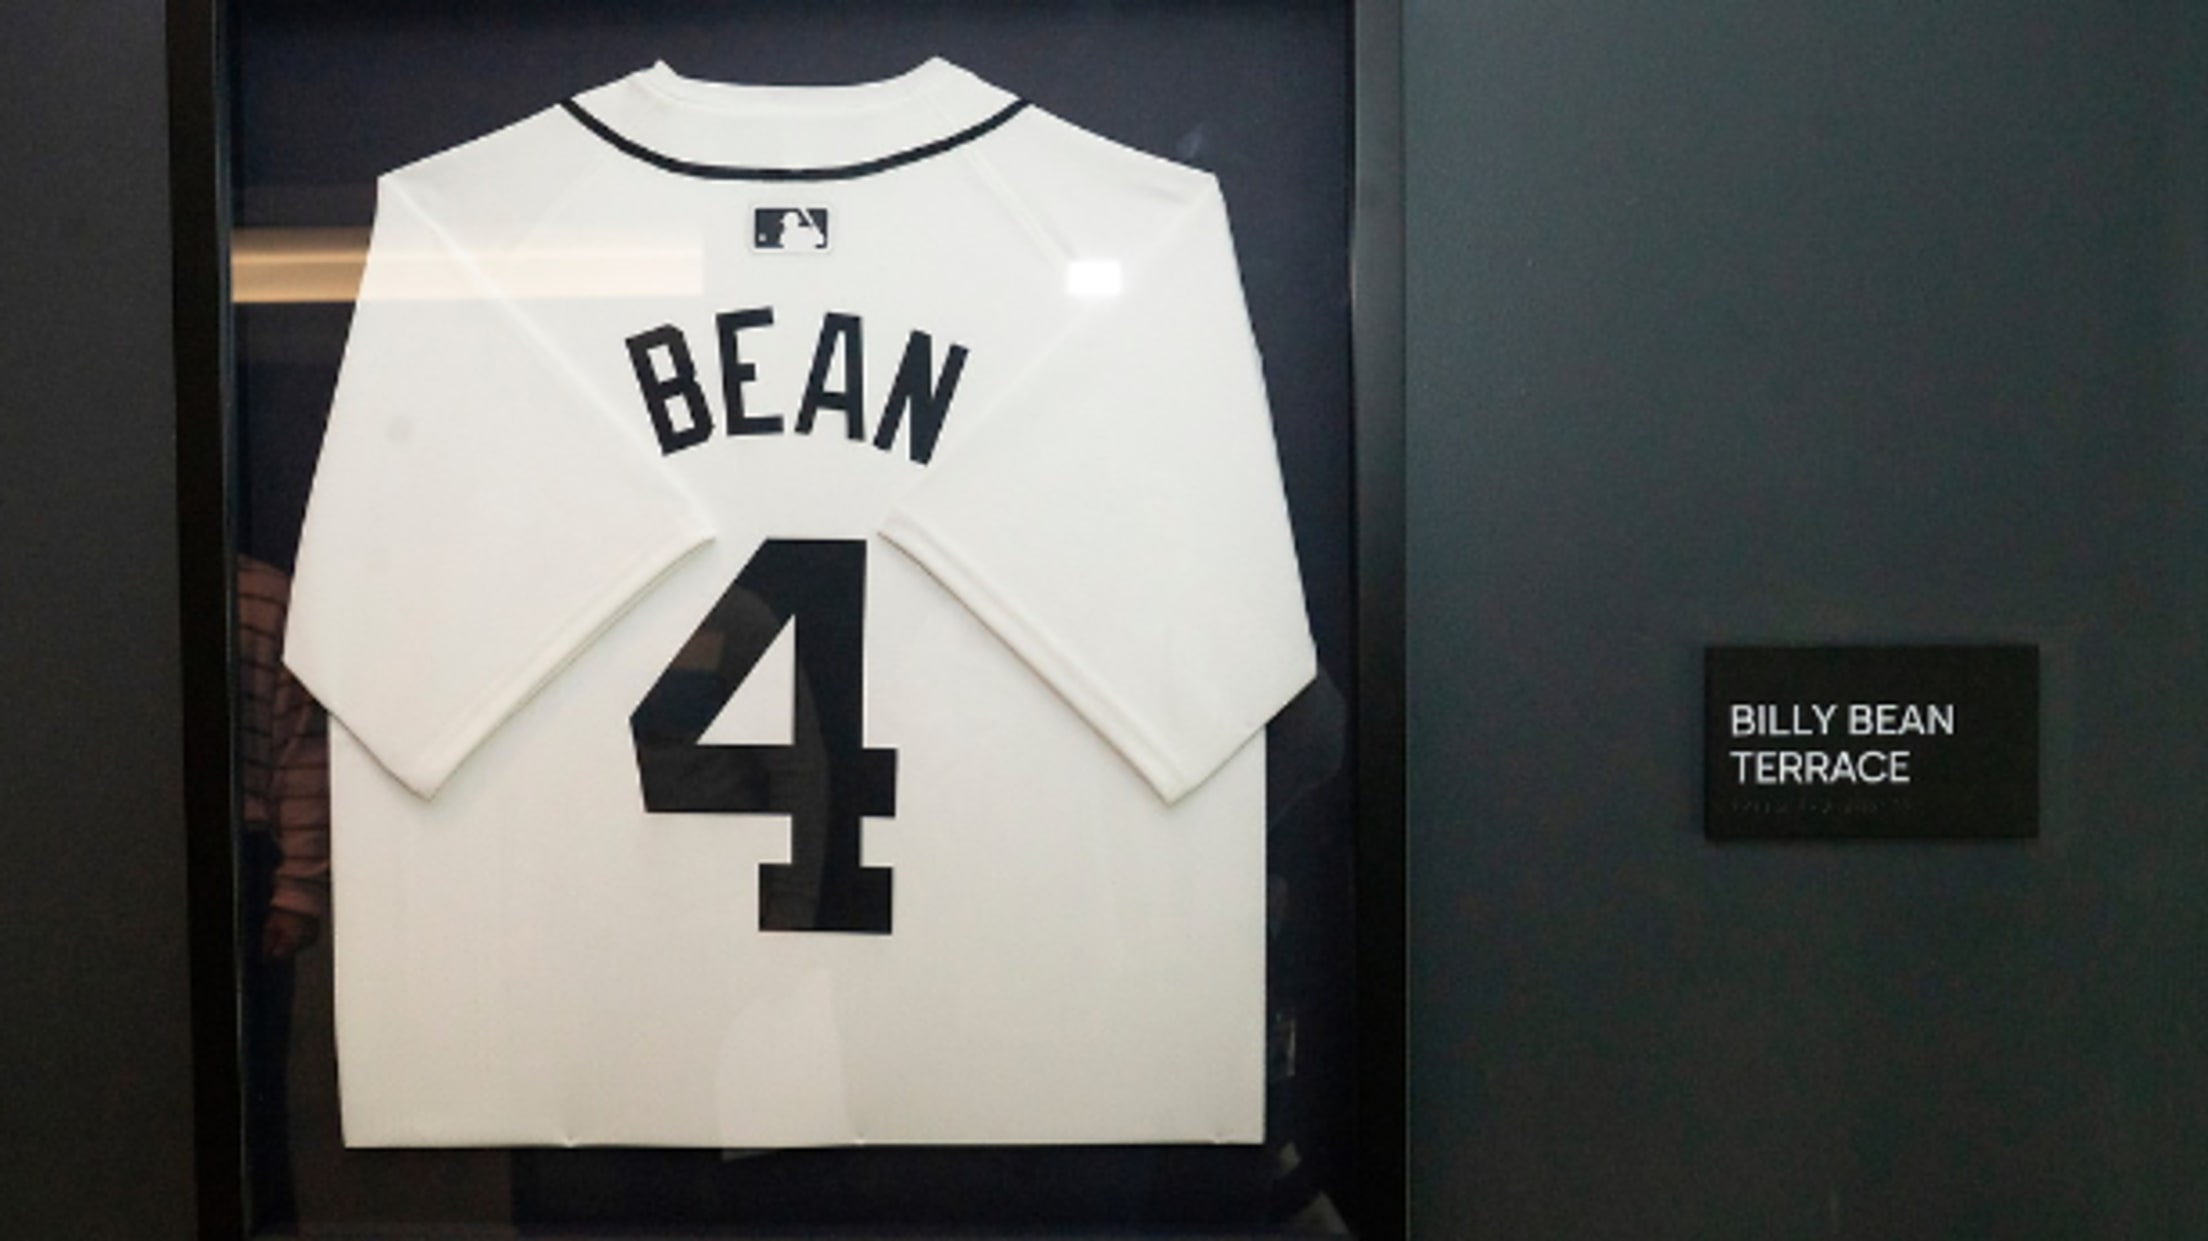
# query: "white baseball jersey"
800, 576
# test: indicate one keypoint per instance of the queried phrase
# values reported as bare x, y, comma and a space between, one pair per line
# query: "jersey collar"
726, 131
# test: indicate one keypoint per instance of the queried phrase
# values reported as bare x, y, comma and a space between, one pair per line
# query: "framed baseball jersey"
799, 577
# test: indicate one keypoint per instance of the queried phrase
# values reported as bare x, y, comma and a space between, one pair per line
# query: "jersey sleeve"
477, 516
1118, 517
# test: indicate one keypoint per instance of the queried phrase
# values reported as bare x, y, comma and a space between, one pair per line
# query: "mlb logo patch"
790, 230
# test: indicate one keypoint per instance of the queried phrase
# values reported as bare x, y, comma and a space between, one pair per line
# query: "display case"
1168, 1039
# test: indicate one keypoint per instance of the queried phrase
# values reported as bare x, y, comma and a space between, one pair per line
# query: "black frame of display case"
200, 85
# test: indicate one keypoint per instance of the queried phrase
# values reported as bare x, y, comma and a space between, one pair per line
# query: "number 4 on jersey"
825, 779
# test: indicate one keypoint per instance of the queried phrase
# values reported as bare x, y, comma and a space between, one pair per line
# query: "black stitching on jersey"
841, 172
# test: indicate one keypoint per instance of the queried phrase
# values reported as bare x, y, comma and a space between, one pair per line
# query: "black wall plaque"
1871, 741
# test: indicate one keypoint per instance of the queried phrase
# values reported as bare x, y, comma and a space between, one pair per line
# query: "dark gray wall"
95, 1082
1803, 321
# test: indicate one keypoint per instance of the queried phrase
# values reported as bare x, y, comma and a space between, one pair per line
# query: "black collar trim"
842, 172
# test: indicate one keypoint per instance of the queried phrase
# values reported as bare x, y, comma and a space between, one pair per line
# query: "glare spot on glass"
1093, 278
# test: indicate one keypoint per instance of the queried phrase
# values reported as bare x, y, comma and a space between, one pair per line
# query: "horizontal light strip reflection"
300, 265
